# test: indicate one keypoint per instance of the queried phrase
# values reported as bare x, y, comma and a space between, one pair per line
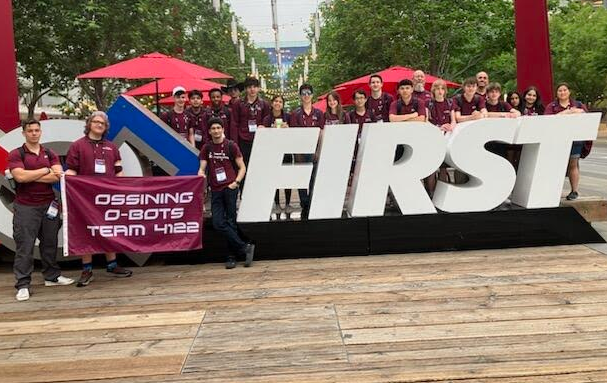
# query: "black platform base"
406, 234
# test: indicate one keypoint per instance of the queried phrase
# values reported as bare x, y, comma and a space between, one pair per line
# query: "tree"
578, 36
445, 38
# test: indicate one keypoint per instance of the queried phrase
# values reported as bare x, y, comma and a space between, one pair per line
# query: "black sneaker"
249, 251
120, 272
231, 263
571, 196
85, 278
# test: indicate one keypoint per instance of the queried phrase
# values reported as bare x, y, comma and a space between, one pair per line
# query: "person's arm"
71, 172
54, 176
202, 168
23, 176
242, 170
119, 164
191, 137
406, 117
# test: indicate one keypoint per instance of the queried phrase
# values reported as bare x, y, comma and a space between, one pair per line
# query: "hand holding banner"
131, 214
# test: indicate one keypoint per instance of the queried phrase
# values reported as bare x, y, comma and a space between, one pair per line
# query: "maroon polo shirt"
555, 106
356, 118
218, 162
196, 123
316, 118
179, 122
333, 119
483, 96
380, 107
440, 112
269, 120
413, 106
424, 96
33, 193
465, 107
250, 112
84, 153
533, 111
501, 106
225, 115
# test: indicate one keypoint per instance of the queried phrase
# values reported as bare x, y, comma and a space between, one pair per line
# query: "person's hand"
284, 125
233, 185
476, 115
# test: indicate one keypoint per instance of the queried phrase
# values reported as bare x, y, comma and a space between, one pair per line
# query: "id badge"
198, 137
252, 126
53, 210
100, 166
220, 175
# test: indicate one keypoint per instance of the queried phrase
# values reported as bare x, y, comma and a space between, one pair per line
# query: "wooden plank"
592, 208
46, 326
471, 330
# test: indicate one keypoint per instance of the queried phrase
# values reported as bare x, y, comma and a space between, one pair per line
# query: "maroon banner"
9, 95
131, 214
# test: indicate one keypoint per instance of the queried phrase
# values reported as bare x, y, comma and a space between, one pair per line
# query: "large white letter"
491, 176
337, 149
547, 145
376, 170
266, 172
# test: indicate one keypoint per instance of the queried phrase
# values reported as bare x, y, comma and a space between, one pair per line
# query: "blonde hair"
437, 84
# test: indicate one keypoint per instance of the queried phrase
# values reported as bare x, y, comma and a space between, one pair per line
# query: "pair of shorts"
576, 149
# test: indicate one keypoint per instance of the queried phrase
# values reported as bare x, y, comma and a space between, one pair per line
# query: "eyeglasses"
306, 92
98, 122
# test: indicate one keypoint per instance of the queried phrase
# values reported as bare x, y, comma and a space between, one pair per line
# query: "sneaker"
120, 272
571, 196
59, 281
249, 252
23, 294
85, 278
276, 209
289, 209
231, 263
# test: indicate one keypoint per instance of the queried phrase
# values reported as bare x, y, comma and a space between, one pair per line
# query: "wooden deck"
506, 316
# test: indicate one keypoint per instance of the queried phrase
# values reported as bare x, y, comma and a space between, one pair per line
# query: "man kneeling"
226, 171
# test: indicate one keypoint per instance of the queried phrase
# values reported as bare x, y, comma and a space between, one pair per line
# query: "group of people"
224, 135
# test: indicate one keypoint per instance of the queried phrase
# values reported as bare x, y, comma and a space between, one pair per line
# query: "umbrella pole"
157, 100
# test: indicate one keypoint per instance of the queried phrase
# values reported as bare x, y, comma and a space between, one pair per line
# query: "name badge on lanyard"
220, 174
198, 136
252, 126
53, 210
99, 166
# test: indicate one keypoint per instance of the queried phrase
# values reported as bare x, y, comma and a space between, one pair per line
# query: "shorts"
576, 149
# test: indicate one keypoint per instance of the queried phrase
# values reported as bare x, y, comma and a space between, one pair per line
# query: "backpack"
400, 105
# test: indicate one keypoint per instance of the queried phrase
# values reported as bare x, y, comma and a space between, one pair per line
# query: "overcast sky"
293, 18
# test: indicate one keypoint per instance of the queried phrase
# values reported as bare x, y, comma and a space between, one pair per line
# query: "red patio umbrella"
391, 77
205, 100
166, 85
156, 66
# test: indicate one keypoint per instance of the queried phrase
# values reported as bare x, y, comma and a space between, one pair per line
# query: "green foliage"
449, 39
578, 36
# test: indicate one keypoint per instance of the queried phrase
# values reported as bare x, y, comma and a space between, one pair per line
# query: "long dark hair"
521, 106
538, 105
340, 109
282, 111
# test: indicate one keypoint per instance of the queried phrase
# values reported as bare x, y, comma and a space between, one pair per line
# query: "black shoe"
249, 251
231, 263
85, 278
571, 196
120, 272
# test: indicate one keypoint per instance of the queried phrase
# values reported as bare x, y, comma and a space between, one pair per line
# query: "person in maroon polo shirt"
196, 115
531, 104
335, 113
218, 109
482, 80
565, 104
233, 89
419, 90
226, 171
94, 155
379, 102
440, 113
280, 119
469, 105
407, 107
177, 118
34, 169
514, 98
496, 107
251, 113
307, 116
361, 114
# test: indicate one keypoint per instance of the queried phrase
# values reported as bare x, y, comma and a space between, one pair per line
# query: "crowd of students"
224, 134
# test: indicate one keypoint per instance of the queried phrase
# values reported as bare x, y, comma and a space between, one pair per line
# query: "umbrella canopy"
205, 100
154, 65
166, 85
391, 77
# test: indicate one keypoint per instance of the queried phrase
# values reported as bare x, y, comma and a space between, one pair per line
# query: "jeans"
29, 223
223, 207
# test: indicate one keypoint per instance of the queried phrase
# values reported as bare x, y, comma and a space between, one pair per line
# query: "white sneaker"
23, 295
276, 210
60, 281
